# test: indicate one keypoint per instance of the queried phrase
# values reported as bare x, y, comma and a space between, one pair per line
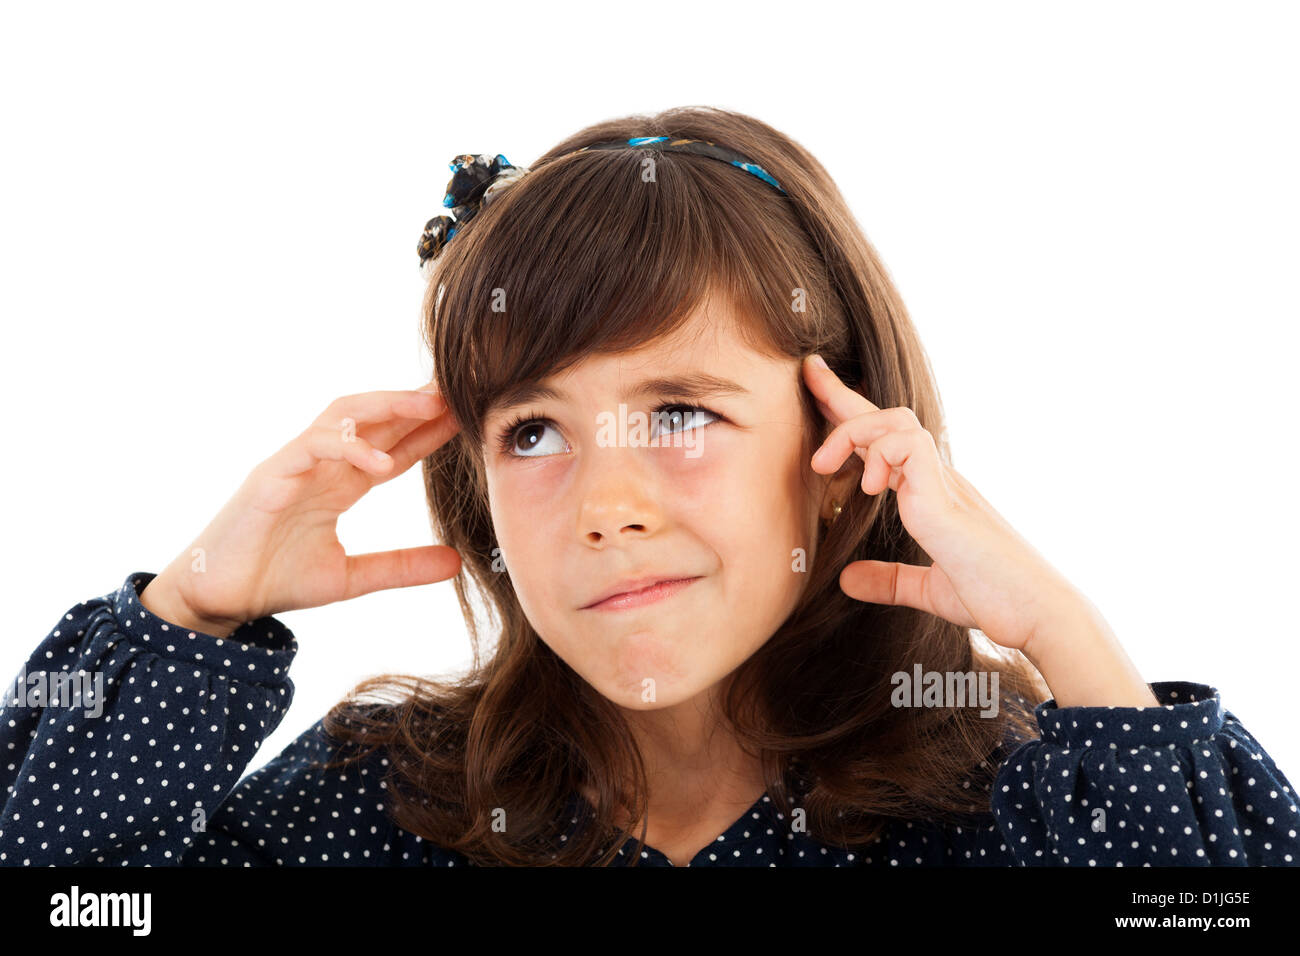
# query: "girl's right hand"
274, 546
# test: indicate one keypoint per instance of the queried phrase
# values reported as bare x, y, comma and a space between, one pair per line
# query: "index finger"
837, 401
369, 407
422, 442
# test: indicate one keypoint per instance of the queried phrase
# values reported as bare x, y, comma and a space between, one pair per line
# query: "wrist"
1067, 616
1082, 660
163, 599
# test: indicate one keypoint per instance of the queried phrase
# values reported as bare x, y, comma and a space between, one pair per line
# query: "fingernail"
818, 360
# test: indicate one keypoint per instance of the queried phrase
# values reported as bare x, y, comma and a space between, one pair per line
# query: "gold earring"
836, 508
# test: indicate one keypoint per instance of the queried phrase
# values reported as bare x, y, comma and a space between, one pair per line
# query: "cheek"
522, 501
760, 475
697, 475
721, 495
522, 495
758, 498
748, 498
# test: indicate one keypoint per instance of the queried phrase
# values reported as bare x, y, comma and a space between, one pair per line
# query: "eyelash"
508, 434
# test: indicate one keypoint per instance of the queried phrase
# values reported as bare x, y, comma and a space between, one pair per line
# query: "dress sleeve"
296, 812
1182, 784
123, 734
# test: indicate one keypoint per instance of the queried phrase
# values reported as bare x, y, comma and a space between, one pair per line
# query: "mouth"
642, 596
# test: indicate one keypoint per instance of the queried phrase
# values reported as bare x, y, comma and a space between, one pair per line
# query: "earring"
836, 508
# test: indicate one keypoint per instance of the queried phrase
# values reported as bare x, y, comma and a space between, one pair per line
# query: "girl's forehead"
706, 354
708, 344
709, 332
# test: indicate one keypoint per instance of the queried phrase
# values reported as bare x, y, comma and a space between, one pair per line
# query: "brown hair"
595, 261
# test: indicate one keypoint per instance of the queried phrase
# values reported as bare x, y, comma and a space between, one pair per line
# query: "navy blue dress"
149, 773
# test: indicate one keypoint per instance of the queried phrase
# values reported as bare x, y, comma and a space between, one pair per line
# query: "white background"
210, 216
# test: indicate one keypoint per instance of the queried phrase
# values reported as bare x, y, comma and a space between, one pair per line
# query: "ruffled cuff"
1188, 712
259, 651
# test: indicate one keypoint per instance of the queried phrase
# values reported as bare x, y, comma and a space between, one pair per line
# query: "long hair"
594, 260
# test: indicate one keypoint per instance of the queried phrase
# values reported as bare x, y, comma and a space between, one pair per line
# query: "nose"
618, 497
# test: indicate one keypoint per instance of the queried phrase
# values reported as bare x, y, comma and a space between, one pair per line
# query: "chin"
633, 698
667, 659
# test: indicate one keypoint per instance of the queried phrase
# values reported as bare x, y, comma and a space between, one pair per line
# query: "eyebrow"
692, 385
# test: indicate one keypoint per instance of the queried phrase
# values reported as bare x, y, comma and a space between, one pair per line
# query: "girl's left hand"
984, 575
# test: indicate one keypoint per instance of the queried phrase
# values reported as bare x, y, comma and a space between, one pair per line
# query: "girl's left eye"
672, 417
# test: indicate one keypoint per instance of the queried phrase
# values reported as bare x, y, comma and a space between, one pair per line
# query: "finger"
378, 406
385, 434
856, 434
830, 391
422, 442
885, 582
910, 451
365, 450
408, 567
319, 443
900, 585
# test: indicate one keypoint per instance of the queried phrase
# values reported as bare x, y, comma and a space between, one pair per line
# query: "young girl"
731, 586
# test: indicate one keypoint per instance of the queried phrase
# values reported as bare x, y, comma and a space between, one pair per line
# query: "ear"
840, 486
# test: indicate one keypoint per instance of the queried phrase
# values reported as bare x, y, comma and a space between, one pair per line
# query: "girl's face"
720, 490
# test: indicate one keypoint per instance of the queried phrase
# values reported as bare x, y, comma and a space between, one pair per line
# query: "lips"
631, 585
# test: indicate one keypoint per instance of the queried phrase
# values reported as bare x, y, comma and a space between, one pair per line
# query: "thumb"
905, 585
880, 582
404, 568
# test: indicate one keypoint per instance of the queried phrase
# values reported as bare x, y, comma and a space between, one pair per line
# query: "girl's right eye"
527, 432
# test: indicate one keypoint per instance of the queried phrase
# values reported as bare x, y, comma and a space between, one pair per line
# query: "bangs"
584, 256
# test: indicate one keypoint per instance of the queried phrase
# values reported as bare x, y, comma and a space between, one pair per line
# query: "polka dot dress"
153, 777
